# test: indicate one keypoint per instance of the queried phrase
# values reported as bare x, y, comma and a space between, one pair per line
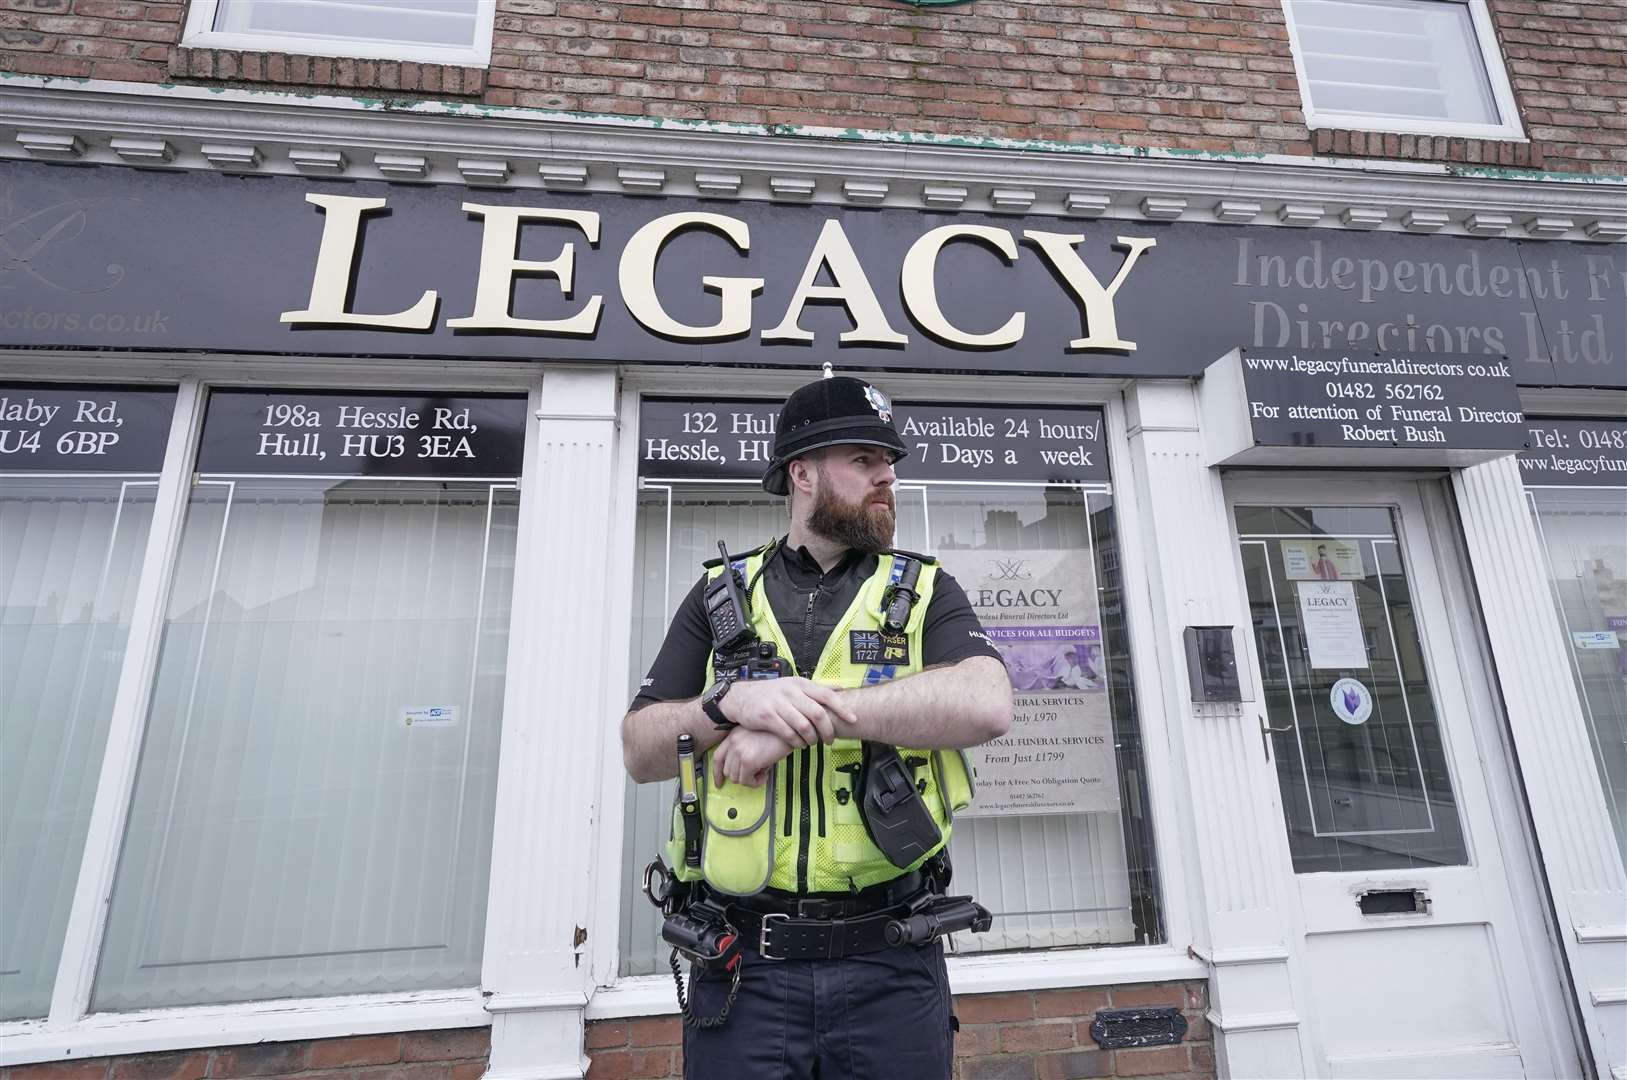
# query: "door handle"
1266, 731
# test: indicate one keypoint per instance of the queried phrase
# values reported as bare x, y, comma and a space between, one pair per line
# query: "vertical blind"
313, 807
415, 22
1053, 880
70, 555
1399, 58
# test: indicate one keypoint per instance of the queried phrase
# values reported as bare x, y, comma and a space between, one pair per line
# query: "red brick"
977, 1041
1176, 994
184, 1065
1077, 1003
362, 1050
453, 1045
88, 1069
656, 1031
1151, 1060
265, 1059
1032, 1038
994, 1008
604, 1034
632, 1064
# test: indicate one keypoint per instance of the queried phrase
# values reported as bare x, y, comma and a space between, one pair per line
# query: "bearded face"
863, 521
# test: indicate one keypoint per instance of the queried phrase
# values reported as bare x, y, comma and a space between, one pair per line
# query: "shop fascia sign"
832, 254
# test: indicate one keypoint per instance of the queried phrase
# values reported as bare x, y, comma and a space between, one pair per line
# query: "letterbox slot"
1393, 902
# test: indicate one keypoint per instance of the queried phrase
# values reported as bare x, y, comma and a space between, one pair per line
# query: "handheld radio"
725, 603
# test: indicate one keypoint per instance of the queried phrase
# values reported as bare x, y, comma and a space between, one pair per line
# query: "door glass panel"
1346, 691
1584, 536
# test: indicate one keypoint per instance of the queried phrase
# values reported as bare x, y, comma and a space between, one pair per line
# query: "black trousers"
879, 1016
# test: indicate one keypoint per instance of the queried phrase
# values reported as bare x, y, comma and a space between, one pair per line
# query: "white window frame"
1502, 91
71, 1030
201, 34
620, 996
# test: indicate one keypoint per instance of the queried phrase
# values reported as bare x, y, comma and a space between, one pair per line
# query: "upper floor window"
427, 31
1427, 67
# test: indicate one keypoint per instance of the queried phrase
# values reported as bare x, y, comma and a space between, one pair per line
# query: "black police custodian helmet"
831, 412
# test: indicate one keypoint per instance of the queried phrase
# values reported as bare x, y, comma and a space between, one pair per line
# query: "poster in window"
1040, 610
1322, 560
1331, 622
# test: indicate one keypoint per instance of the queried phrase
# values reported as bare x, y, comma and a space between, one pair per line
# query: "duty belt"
787, 927
785, 937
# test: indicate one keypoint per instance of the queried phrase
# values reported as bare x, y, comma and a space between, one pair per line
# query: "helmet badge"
878, 401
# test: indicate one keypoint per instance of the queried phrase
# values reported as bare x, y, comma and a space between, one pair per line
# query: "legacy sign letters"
832, 257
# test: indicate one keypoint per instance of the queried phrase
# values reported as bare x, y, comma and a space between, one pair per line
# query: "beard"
857, 524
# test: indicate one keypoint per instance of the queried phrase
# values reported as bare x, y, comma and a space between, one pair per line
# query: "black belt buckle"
763, 932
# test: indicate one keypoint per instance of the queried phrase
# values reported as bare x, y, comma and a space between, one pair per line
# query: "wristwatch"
712, 704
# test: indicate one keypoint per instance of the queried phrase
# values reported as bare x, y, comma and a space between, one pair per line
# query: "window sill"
327, 72
989, 973
110, 1034
1514, 151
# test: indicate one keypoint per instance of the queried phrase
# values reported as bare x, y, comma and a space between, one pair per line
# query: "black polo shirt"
808, 603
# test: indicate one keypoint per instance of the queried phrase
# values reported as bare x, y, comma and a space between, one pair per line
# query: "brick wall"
1031, 1035
1154, 73
457, 1054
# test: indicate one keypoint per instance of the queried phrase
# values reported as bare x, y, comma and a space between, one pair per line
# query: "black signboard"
710, 439
132, 259
336, 433
1575, 453
48, 427
1416, 409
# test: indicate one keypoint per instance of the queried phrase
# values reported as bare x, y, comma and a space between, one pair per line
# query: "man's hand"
796, 711
747, 756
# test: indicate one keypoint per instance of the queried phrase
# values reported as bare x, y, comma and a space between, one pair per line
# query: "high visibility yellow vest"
802, 831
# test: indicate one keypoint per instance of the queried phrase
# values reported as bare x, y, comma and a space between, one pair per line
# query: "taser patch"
875, 647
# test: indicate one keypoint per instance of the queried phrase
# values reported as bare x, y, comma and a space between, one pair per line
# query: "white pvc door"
1420, 946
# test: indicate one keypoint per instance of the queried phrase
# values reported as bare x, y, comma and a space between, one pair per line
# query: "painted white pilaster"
1579, 852
537, 971
1230, 830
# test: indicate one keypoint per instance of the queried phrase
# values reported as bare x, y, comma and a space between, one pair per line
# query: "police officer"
791, 859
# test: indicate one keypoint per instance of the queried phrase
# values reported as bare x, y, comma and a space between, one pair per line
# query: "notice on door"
1040, 610
1331, 622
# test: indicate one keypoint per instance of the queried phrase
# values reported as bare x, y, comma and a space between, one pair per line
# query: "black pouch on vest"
895, 815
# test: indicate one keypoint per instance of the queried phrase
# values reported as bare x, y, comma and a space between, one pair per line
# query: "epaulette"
710, 564
926, 560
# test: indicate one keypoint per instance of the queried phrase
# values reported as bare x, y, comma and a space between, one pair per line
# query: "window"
313, 807
1574, 482
1407, 66
73, 529
1077, 867
429, 31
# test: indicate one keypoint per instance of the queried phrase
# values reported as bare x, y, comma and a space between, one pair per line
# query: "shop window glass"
73, 529
1583, 531
1053, 879
313, 807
